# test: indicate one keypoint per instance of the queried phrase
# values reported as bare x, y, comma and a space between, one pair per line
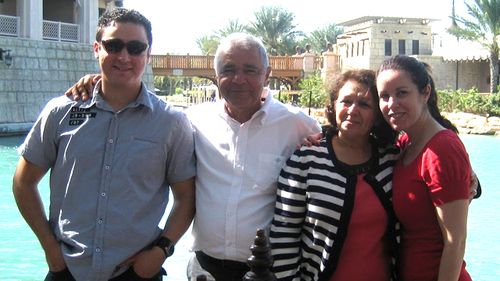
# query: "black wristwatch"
166, 245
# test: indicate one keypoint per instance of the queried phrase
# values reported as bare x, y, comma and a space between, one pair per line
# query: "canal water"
22, 259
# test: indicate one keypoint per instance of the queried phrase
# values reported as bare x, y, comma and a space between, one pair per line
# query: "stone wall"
470, 74
41, 70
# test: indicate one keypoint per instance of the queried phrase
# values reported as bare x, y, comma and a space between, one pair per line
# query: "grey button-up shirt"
109, 177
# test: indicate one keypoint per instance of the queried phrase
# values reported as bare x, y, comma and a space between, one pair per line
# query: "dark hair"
381, 131
420, 74
123, 15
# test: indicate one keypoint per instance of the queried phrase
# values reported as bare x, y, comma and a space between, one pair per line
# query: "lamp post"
453, 26
310, 101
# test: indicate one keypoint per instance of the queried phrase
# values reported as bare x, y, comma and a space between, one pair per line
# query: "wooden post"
260, 261
201, 278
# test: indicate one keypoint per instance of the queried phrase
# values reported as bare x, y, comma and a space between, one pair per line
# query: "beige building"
46, 47
367, 41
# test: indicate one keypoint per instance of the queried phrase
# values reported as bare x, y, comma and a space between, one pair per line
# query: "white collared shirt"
237, 170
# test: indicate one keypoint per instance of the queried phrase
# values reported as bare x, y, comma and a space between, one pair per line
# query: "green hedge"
449, 101
314, 93
470, 101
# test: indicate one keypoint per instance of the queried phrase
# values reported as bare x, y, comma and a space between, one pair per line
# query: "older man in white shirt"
241, 144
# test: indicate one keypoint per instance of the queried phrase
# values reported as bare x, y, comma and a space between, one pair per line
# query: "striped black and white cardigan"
314, 203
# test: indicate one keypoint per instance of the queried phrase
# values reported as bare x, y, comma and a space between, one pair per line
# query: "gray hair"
244, 40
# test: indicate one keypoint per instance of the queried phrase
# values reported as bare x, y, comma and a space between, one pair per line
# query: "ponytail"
432, 105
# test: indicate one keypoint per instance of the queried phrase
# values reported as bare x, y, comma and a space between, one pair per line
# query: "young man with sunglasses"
112, 159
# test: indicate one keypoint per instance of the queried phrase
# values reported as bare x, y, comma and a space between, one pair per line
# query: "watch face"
166, 245
170, 250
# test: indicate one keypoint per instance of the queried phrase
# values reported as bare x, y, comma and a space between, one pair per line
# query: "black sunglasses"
134, 47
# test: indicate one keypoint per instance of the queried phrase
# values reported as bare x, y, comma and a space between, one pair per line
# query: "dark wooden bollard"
260, 261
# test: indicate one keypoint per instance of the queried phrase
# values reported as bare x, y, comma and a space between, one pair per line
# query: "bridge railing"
206, 62
182, 61
286, 63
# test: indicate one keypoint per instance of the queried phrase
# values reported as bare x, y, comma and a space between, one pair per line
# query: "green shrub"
179, 91
470, 101
287, 96
493, 105
314, 93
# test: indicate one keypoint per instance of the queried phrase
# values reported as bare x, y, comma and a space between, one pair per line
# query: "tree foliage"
274, 25
170, 85
232, 27
314, 93
208, 44
321, 36
470, 101
483, 26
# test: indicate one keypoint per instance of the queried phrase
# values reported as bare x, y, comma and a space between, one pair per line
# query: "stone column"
308, 66
31, 14
331, 65
87, 17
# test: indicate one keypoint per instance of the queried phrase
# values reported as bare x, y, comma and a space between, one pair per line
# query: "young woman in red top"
431, 179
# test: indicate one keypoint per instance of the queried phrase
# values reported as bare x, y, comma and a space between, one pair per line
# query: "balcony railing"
9, 25
60, 31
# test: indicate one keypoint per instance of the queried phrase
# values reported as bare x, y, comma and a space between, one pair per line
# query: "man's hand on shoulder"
475, 186
83, 88
314, 139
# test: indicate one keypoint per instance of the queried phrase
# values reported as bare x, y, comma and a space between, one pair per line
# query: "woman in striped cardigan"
333, 217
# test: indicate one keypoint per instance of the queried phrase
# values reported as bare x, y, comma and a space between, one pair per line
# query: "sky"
178, 23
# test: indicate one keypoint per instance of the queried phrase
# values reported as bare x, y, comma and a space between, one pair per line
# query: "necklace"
355, 169
359, 168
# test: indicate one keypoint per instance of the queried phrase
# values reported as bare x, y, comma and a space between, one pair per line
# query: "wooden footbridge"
288, 69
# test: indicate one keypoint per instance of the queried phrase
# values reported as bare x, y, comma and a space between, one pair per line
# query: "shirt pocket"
268, 169
145, 160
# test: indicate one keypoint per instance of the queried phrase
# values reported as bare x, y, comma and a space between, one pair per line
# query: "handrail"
182, 61
206, 62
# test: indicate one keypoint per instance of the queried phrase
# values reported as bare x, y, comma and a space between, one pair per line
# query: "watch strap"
166, 245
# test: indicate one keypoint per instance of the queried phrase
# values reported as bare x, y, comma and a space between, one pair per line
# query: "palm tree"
320, 37
483, 27
208, 44
274, 25
167, 84
232, 27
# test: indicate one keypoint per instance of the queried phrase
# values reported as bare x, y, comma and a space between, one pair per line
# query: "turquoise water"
22, 259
